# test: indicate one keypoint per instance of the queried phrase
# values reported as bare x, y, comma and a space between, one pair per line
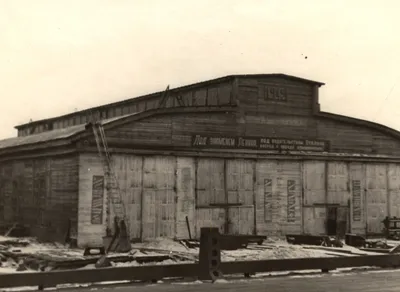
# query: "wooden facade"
41, 193
249, 154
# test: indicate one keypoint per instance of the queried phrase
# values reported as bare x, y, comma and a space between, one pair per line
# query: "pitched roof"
193, 85
53, 135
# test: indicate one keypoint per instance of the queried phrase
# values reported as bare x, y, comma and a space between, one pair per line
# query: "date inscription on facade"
275, 93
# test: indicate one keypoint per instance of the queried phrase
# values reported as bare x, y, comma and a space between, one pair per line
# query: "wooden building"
251, 154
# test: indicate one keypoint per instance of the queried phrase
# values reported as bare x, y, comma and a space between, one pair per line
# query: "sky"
58, 56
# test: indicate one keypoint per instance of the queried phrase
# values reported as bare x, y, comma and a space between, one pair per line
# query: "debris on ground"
319, 240
27, 255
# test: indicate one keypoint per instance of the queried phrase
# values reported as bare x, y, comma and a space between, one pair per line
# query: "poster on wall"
291, 201
268, 200
97, 199
356, 186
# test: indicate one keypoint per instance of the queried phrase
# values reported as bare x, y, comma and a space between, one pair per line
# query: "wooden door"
210, 190
342, 221
314, 220
314, 210
331, 221
240, 191
159, 197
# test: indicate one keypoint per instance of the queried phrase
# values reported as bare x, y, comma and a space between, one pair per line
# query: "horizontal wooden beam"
35, 154
249, 154
325, 264
144, 273
157, 272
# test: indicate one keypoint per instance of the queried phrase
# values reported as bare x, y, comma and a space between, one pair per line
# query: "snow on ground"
272, 248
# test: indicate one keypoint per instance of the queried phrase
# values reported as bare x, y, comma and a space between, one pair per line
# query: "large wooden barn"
250, 154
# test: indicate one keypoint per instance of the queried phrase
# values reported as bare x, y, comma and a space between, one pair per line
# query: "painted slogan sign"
260, 143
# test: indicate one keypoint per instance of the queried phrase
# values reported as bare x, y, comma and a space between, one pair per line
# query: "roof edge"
109, 123
365, 123
188, 86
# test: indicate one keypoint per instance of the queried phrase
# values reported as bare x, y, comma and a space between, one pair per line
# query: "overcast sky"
60, 55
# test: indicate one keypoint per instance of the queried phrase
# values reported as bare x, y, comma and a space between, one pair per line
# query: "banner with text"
261, 143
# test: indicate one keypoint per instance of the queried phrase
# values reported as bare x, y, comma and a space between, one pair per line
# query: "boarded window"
291, 201
118, 111
125, 110
97, 199
356, 184
268, 200
111, 113
133, 108
141, 106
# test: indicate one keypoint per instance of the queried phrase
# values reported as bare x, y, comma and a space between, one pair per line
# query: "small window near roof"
125, 110
118, 111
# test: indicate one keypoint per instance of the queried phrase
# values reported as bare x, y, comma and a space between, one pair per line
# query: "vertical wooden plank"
210, 217
314, 193
314, 182
89, 166
149, 202
394, 189
168, 196
210, 188
210, 182
314, 220
240, 189
266, 186
337, 183
159, 197
130, 179
376, 197
186, 196
289, 196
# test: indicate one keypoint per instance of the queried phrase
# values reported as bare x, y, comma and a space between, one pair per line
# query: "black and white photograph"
213, 145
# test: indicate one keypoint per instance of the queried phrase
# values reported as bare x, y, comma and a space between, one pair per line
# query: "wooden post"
188, 227
210, 254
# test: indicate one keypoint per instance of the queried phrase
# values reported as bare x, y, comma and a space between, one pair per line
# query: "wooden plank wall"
212, 94
185, 192
253, 96
41, 194
278, 197
89, 234
177, 130
167, 130
377, 197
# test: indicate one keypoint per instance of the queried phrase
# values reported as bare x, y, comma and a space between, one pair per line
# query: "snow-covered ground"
271, 249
